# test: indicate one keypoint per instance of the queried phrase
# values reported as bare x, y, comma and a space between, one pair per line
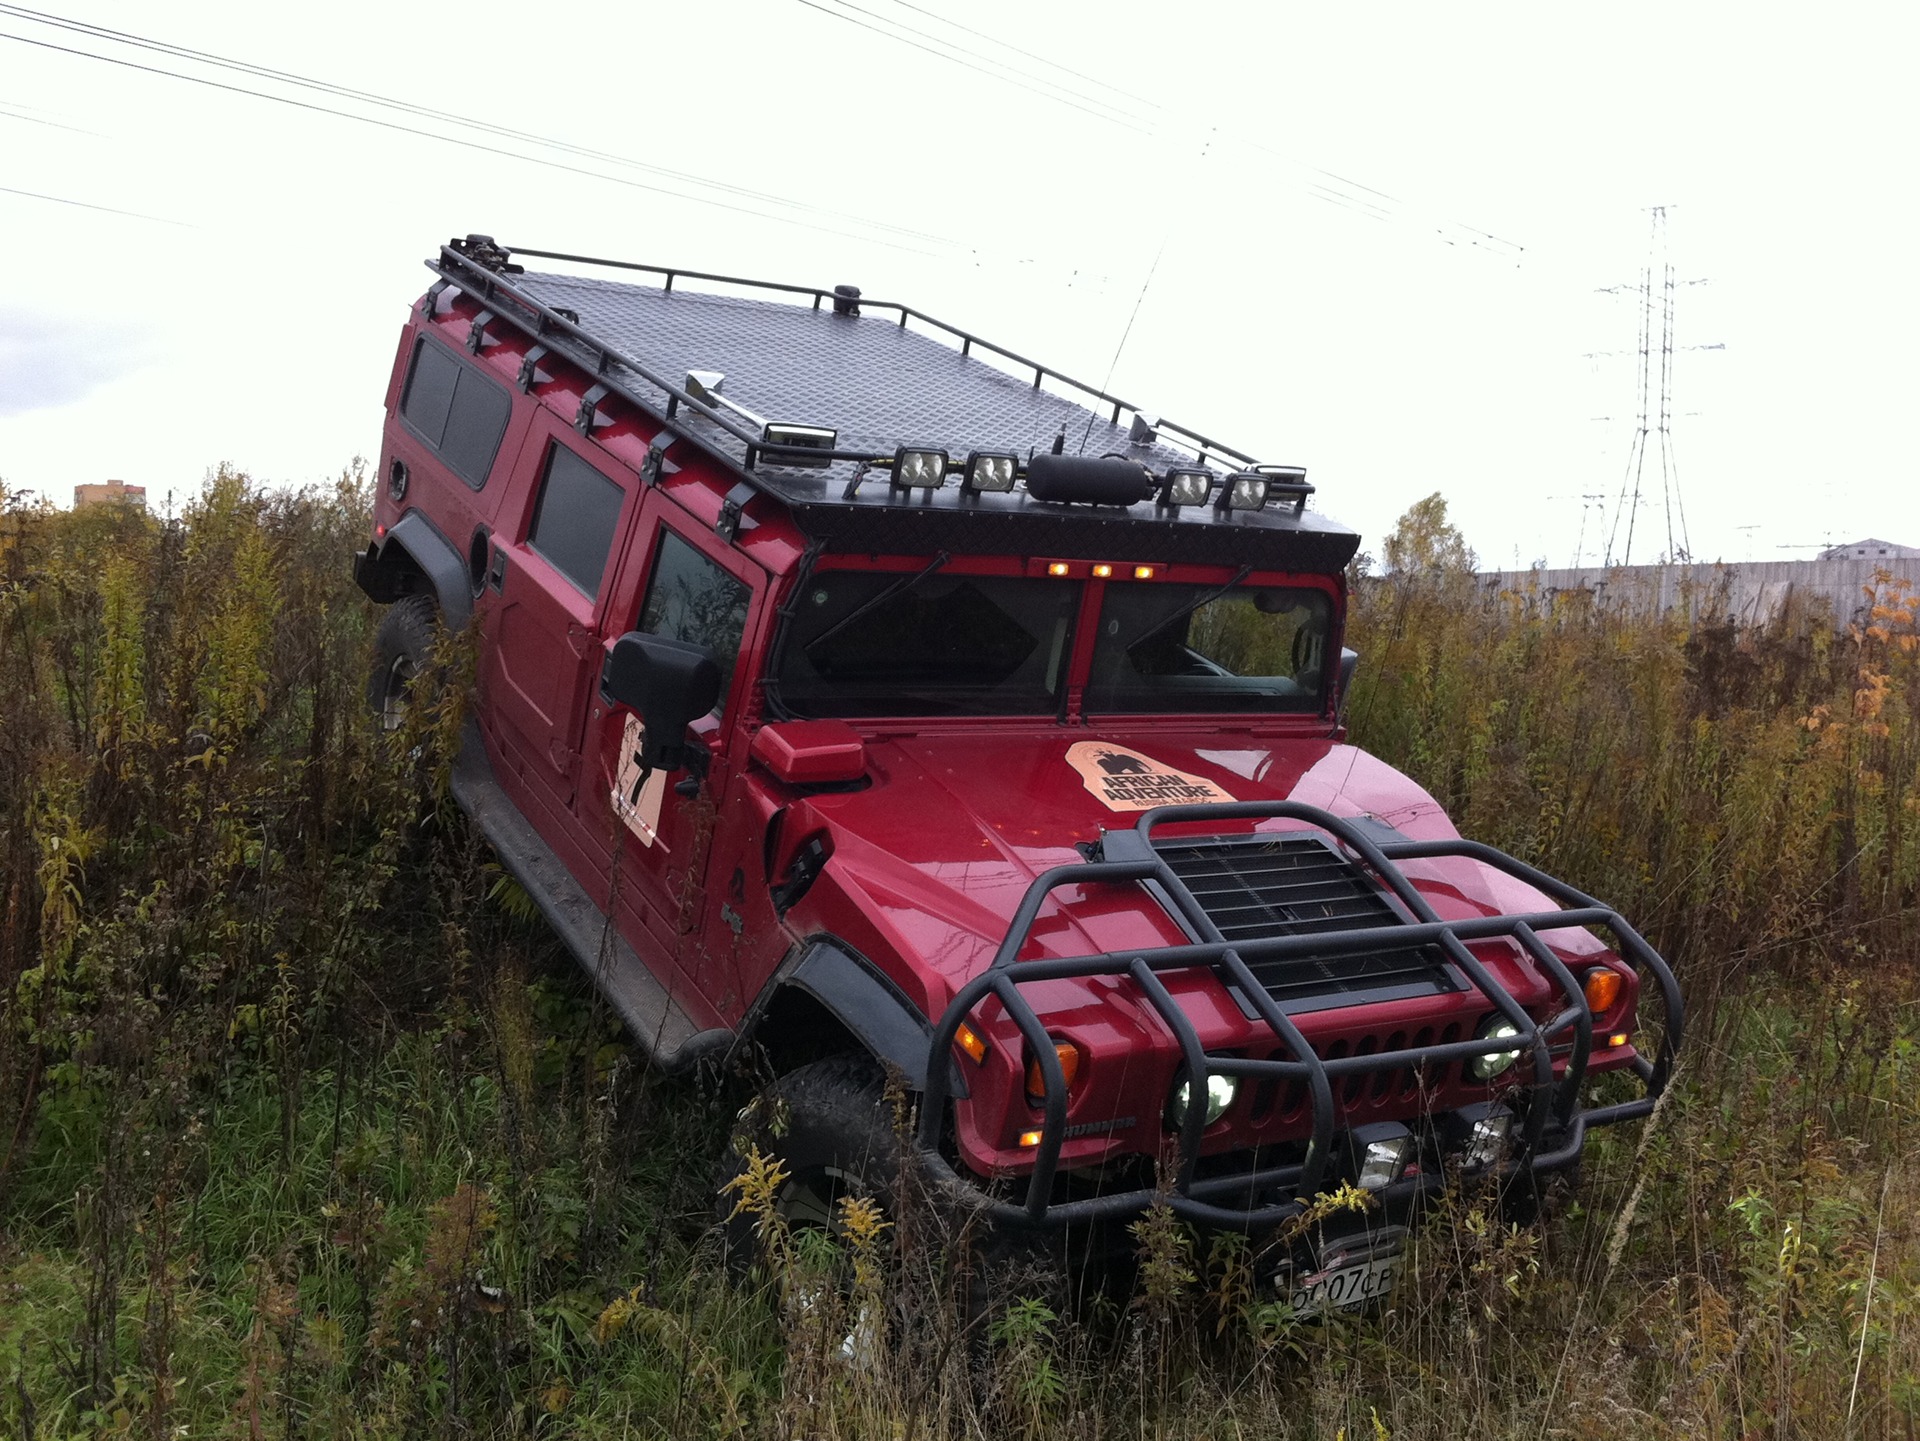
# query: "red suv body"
1019, 774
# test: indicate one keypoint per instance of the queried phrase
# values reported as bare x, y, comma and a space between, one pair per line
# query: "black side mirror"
671, 683
1349, 663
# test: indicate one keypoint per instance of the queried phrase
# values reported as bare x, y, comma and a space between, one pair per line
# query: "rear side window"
690, 598
456, 410
574, 519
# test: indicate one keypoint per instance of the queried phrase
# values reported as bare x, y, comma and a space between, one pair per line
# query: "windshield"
941, 644
1194, 648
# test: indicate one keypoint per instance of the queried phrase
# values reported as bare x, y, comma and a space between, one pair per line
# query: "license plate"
1344, 1288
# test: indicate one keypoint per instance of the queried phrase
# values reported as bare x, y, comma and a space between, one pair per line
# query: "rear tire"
402, 647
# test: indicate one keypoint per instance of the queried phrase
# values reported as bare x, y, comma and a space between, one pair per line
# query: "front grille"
1293, 885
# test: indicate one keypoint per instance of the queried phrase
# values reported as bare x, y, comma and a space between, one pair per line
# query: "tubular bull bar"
1130, 857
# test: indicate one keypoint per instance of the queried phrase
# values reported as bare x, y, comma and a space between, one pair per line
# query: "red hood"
936, 854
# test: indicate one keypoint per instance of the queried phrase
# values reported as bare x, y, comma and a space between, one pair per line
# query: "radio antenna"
1114, 364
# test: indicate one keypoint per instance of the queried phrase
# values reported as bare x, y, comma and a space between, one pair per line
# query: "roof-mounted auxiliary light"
1242, 491
802, 438
990, 470
1285, 482
1182, 486
917, 469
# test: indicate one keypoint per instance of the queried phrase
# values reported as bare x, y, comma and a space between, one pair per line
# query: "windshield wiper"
1186, 610
898, 588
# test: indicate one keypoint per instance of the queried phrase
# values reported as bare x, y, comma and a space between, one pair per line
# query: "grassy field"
307, 1131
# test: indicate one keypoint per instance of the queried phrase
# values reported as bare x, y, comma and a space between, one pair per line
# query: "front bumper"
1553, 1123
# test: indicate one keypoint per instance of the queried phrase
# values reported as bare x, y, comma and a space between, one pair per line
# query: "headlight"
1220, 1093
1487, 1067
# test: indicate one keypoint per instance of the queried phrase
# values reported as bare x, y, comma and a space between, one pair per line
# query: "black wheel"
401, 648
828, 1127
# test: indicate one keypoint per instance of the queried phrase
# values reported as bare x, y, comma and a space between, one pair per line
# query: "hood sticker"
637, 801
1125, 780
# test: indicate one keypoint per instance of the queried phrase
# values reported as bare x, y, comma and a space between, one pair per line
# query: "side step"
653, 1018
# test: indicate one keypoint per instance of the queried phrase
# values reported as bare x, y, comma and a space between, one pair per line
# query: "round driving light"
1220, 1093
1487, 1067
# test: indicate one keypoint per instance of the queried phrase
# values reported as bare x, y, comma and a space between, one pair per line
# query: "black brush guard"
1130, 857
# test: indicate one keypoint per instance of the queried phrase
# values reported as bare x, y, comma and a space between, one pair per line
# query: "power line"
265, 72
87, 205
1445, 230
455, 140
1058, 95
1044, 60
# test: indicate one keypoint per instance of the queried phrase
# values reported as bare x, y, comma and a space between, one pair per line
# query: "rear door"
683, 584
559, 559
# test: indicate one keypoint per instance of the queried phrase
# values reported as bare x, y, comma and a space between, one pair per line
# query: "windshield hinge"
733, 511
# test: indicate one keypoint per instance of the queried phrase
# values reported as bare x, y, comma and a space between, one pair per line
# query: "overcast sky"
1372, 241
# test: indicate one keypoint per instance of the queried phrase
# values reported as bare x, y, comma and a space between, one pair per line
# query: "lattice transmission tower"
1654, 383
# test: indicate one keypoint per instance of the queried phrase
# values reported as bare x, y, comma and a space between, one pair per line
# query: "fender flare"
867, 1002
444, 567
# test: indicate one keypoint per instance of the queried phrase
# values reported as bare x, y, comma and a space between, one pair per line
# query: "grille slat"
1299, 885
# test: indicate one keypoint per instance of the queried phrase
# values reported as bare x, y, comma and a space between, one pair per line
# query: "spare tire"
402, 647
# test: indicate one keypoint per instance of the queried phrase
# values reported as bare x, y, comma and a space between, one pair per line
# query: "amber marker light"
1069, 1055
1029, 1139
1618, 1038
1603, 989
971, 1043
1059, 567
1143, 572
1102, 571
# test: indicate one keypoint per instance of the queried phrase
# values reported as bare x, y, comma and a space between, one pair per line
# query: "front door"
692, 588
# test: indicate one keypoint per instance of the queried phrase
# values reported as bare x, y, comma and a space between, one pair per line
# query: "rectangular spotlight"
1244, 491
1186, 487
990, 470
918, 469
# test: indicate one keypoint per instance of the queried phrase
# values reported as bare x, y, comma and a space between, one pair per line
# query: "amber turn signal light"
1069, 1055
1603, 989
967, 1040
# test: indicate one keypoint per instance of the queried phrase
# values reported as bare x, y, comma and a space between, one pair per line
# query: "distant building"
1871, 550
116, 492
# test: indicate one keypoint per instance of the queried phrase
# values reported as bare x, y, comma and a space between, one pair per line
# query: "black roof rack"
848, 389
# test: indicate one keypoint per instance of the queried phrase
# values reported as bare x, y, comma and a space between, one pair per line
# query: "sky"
1384, 242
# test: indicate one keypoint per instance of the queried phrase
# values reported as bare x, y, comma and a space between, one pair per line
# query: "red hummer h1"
857, 690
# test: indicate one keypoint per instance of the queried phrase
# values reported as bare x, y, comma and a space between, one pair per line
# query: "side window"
574, 519
456, 410
692, 599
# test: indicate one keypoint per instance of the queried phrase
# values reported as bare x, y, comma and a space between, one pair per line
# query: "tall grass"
303, 1133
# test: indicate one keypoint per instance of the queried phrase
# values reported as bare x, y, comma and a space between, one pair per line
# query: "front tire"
827, 1126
